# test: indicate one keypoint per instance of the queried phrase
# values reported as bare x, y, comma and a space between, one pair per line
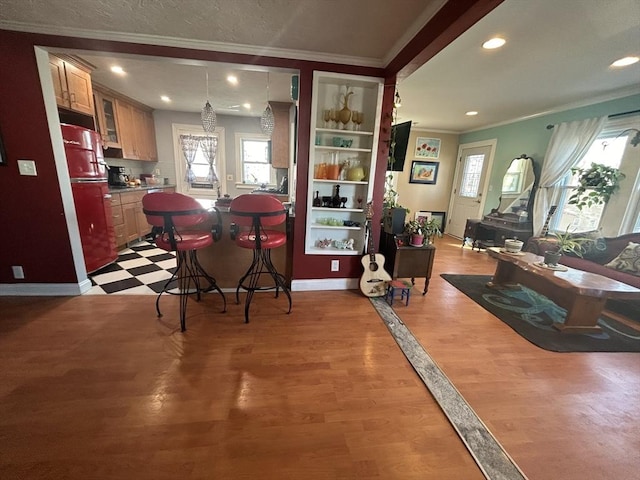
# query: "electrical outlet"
27, 167
335, 265
18, 273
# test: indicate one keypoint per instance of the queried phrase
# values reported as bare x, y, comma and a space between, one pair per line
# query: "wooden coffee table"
582, 294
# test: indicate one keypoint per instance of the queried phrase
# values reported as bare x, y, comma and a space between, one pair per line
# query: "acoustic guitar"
373, 282
545, 228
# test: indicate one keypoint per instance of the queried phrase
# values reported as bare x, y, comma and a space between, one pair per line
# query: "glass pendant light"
208, 114
267, 121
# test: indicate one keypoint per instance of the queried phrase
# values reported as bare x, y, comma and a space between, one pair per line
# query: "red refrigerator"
88, 172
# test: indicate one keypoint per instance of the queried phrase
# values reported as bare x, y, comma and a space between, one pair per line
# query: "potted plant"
566, 242
421, 231
596, 184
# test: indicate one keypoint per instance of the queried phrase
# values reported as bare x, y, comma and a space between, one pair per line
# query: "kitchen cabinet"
118, 220
106, 118
72, 84
280, 138
353, 155
137, 131
129, 220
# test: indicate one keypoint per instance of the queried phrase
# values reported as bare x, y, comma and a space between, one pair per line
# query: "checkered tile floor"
142, 269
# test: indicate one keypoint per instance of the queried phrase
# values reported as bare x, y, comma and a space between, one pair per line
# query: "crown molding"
615, 95
193, 44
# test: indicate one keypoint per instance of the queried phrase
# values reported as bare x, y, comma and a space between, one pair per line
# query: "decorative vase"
551, 258
344, 115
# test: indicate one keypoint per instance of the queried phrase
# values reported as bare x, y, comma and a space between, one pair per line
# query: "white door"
470, 188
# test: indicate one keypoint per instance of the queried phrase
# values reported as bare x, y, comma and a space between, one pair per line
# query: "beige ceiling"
557, 54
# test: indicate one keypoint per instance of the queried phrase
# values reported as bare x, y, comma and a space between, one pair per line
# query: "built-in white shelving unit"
329, 229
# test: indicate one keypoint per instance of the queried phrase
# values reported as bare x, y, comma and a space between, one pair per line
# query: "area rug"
532, 316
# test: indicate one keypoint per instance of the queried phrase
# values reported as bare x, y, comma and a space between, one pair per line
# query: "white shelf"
331, 251
339, 209
329, 89
333, 227
347, 182
341, 149
336, 131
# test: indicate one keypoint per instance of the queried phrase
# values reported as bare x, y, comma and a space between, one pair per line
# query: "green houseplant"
565, 242
596, 184
421, 231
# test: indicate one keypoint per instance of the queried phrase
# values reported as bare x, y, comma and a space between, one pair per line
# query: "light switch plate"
27, 167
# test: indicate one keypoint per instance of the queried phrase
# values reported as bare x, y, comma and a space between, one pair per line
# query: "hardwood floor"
97, 387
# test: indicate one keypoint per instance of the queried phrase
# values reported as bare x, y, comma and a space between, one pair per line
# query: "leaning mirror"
517, 186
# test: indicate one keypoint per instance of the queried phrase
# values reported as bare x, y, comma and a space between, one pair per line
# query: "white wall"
421, 197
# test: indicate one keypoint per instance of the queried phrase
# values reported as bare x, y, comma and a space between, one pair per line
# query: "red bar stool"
173, 217
251, 217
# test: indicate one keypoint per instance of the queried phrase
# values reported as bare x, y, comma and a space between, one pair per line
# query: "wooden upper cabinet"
137, 131
280, 136
124, 112
106, 118
72, 85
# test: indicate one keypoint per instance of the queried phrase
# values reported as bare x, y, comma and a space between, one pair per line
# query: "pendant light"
267, 121
208, 114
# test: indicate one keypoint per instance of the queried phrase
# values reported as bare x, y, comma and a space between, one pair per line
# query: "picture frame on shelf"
424, 172
427, 147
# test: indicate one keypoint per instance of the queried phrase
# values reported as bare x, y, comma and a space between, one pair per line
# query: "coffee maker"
118, 177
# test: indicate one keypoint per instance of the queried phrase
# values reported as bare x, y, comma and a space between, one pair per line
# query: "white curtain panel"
569, 143
189, 145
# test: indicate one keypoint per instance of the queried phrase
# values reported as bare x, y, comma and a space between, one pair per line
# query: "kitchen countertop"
138, 189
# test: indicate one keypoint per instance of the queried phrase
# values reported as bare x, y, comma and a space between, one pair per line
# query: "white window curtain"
209, 147
189, 146
569, 143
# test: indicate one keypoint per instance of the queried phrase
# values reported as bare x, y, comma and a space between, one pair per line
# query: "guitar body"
373, 282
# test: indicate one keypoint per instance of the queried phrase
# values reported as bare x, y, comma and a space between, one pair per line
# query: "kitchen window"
195, 177
253, 160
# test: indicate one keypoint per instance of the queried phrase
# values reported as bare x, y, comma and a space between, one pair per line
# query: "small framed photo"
427, 147
424, 172
423, 216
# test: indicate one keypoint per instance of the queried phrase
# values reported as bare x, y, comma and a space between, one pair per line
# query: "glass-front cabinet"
345, 125
106, 118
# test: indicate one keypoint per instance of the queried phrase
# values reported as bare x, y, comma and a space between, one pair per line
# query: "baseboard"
325, 284
44, 289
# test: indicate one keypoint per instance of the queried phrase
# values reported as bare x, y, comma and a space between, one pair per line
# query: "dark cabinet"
493, 231
404, 261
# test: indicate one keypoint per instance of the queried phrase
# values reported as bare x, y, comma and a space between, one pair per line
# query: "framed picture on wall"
427, 147
423, 172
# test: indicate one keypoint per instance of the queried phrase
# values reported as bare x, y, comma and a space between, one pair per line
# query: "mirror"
517, 186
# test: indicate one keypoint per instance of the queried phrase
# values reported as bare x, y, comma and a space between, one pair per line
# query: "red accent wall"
31, 207
34, 229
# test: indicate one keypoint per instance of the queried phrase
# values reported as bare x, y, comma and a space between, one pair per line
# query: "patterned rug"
532, 315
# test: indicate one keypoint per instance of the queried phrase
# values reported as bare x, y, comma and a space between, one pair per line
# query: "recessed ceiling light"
232, 79
164, 98
471, 113
623, 62
117, 69
247, 106
495, 42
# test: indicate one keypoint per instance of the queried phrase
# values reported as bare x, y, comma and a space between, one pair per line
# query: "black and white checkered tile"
142, 269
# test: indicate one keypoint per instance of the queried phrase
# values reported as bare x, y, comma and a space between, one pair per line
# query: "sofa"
598, 252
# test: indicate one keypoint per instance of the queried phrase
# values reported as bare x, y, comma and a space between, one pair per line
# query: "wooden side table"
404, 261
